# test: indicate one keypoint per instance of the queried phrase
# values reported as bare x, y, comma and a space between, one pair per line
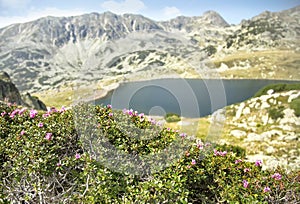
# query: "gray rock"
238, 133
9, 93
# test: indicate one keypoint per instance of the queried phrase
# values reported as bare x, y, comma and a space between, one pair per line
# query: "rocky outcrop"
9, 93
267, 127
33, 102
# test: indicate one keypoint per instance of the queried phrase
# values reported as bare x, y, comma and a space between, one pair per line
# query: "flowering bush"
43, 160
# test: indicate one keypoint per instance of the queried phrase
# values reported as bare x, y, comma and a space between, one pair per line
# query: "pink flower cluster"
200, 144
182, 135
238, 161
258, 163
15, 112
220, 153
141, 116
48, 136
245, 184
54, 110
33, 113
77, 156
276, 176
267, 189
130, 112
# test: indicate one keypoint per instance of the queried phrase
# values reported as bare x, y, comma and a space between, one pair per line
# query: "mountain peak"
214, 18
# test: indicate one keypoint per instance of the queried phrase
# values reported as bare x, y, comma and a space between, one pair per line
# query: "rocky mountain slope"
9, 93
56, 52
267, 127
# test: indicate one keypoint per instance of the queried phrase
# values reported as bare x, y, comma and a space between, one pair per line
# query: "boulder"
238, 133
33, 102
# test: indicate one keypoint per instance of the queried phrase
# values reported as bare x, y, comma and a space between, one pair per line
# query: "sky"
233, 11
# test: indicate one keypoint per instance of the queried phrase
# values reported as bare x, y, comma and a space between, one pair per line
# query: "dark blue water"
186, 97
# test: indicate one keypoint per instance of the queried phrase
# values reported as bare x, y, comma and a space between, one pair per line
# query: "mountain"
9, 93
278, 29
58, 52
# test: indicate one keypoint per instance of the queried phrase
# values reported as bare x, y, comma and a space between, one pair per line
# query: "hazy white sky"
233, 11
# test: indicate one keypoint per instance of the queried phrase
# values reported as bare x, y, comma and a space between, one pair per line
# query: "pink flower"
267, 189
77, 156
22, 132
58, 164
258, 163
141, 115
109, 106
48, 136
40, 125
245, 183
277, 176
46, 115
220, 153
207, 144
110, 114
200, 145
246, 170
53, 110
3, 113
23, 110
12, 114
188, 167
33, 113
130, 112
223, 153
183, 135
238, 161
193, 162
187, 154
63, 109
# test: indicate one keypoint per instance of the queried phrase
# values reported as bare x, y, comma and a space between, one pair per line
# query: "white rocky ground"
276, 142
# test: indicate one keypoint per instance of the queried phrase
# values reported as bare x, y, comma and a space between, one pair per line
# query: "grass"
67, 96
269, 64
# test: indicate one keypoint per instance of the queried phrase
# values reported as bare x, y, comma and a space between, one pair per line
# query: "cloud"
34, 14
126, 6
14, 4
171, 12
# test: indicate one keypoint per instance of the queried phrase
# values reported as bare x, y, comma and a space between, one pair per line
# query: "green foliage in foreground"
277, 88
44, 160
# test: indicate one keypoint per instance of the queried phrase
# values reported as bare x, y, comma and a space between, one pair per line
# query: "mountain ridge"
54, 52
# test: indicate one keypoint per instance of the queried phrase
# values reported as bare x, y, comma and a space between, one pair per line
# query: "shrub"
44, 160
277, 88
210, 50
295, 104
172, 117
276, 112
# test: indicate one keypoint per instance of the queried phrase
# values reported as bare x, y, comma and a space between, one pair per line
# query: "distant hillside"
54, 52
